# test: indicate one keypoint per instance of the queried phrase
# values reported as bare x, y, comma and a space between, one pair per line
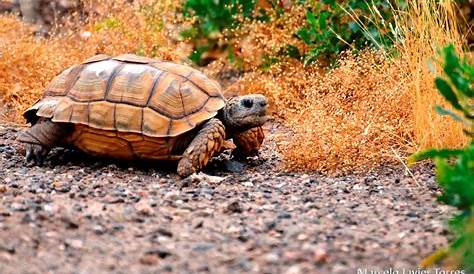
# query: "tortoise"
131, 107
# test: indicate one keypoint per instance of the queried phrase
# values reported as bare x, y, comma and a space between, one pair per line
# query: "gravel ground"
78, 214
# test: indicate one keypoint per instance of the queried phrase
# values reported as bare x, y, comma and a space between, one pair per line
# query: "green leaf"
304, 35
443, 111
432, 153
292, 51
448, 93
311, 19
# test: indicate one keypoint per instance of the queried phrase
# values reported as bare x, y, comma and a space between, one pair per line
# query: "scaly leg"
206, 144
40, 138
248, 142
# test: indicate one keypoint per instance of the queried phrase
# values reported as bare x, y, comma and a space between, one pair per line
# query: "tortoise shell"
130, 94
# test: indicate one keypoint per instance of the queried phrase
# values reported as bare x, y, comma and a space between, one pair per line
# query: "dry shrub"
259, 40
348, 119
27, 64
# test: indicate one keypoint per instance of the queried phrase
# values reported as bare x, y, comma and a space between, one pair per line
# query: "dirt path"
78, 214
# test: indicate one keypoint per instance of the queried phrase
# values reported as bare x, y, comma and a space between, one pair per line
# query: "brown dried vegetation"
367, 111
347, 119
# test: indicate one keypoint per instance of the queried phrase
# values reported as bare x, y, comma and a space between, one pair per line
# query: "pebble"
149, 259
203, 247
234, 207
171, 195
74, 243
19, 207
98, 229
248, 184
320, 256
144, 208
71, 222
272, 257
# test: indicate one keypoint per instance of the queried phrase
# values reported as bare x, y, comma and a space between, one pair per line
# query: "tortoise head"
244, 112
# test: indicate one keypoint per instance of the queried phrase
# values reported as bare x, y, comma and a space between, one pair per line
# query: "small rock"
270, 225
98, 229
144, 208
3, 188
284, 215
234, 207
203, 247
8, 248
248, 184
113, 200
171, 195
320, 256
149, 259
271, 257
201, 177
19, 207
74, 243
71, 223
118, 227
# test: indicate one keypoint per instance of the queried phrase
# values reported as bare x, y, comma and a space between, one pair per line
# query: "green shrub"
213, 25
455, 168
334, 26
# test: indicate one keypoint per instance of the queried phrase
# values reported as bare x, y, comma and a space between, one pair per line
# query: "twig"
406, 167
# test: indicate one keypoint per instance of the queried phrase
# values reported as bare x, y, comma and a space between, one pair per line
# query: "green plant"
213, 25
455, 167
333, 26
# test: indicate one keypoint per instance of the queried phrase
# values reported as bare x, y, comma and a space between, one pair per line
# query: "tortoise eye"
247, 103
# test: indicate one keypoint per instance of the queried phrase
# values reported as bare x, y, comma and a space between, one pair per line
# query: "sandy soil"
78, 214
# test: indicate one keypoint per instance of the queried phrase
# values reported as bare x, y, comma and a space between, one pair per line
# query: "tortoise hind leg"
206, 144
40, 138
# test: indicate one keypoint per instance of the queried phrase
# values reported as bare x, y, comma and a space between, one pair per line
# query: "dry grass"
427, 27
345, 120
348, 119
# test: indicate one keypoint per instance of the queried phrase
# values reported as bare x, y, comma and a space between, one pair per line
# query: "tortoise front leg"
248, 142
40, 138
206, 144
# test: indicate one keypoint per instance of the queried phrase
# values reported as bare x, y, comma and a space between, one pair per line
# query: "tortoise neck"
230, 127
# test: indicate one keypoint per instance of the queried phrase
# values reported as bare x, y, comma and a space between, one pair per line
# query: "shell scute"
128, 118
154, 123
62, 83
102, 115
166, 97
133, 84
92, 82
